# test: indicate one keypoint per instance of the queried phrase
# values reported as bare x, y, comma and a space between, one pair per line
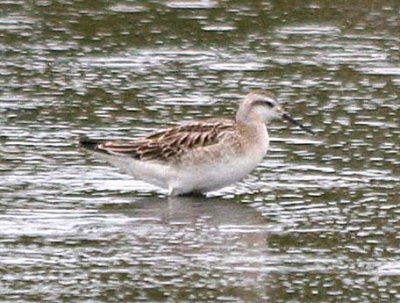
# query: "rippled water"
318, 221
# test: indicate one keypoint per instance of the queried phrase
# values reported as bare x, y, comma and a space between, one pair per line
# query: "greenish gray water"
318, 221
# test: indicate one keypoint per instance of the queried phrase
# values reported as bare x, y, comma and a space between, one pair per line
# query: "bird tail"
89, 144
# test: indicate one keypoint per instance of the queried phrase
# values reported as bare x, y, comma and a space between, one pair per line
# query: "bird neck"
252, 129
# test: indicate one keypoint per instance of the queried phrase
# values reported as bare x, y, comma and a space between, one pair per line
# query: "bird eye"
269, 103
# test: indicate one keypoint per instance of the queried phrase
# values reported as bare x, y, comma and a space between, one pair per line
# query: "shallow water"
317, 221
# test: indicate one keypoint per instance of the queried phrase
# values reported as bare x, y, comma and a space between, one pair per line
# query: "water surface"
317, 221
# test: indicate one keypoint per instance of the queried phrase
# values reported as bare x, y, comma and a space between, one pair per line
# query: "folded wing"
167, 144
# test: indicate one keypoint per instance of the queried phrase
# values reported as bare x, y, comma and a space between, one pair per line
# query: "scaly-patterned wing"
167, 144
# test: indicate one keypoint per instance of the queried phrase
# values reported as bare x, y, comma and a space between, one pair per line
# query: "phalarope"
199, 156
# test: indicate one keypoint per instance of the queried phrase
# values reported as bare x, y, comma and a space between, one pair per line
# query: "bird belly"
148, 171
215, 175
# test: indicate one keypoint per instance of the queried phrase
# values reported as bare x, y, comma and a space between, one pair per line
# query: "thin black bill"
289, 118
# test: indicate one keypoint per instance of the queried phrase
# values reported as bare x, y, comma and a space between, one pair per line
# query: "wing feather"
167, 144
